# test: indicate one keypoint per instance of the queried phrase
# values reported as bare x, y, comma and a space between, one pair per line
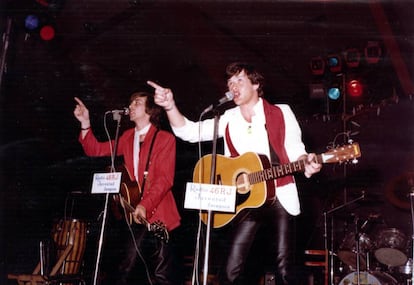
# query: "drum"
70, 239
391, 247
368, 278
348, 251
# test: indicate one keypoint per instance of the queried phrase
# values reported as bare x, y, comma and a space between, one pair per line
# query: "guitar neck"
278, 171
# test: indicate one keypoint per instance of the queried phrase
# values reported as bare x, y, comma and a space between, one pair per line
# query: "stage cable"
137, 248
195, 274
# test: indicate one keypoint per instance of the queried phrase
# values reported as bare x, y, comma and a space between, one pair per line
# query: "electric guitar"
128, 197
253, 176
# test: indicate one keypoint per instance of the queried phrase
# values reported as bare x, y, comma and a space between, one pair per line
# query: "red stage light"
47, 33
317, 66
373, 52
354, 88
352, 57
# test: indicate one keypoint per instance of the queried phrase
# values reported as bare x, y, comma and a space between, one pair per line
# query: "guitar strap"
232, 149
147, 164
274, 159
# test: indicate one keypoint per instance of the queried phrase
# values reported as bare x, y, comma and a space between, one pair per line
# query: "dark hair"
252, 73
151, 108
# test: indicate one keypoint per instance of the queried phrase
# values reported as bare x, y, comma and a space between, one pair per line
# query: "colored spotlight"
31, 22
334, 63
334, 93
47, 33
354, 88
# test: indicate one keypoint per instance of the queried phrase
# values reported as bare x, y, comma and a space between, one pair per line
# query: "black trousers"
155, 257
243, 234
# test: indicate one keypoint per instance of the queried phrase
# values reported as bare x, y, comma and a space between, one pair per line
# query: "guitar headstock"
342, 154
159, 230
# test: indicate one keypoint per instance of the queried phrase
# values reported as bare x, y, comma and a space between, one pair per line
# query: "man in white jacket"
254, 125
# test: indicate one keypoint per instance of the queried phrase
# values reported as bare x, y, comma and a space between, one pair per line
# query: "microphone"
116, 114
228, 96
123, 111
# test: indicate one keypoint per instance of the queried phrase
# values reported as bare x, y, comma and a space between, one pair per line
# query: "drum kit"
380, 260
370, 253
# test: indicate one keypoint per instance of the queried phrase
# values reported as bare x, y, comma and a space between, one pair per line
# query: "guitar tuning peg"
354, 161
350, 141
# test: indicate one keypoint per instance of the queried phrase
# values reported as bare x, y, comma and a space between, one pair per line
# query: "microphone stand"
326, 233
412, 234
117, 117
358, 269
5, 47
212, 181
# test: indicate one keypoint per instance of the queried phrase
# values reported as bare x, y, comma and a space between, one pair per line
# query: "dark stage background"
102, 50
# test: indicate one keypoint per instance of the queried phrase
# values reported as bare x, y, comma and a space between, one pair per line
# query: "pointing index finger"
155, 85
79, 101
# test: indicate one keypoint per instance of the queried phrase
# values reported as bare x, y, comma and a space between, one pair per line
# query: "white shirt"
252, 137
137, 135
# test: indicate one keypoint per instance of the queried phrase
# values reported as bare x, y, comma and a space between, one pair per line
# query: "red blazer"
157, 198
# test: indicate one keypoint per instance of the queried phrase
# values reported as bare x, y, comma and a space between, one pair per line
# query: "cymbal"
355, 202
363, 217
371, 199
361, 198
399, 190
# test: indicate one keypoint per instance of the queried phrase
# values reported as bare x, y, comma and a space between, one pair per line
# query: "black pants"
155, 257
243, 234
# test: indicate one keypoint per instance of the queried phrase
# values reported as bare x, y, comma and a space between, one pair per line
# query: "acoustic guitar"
253, 176
129, 196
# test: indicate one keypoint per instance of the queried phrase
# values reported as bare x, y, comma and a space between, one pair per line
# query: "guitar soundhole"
243, 188
242, 183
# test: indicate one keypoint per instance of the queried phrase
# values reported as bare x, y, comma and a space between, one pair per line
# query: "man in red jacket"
149, 158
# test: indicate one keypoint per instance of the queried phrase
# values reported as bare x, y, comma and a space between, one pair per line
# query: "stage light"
31, 22
43, 3
354, 88
47, 33
317, 91
51, 4
334, 93
334, 63
317, 65
352, 57
41, 24
373, 52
